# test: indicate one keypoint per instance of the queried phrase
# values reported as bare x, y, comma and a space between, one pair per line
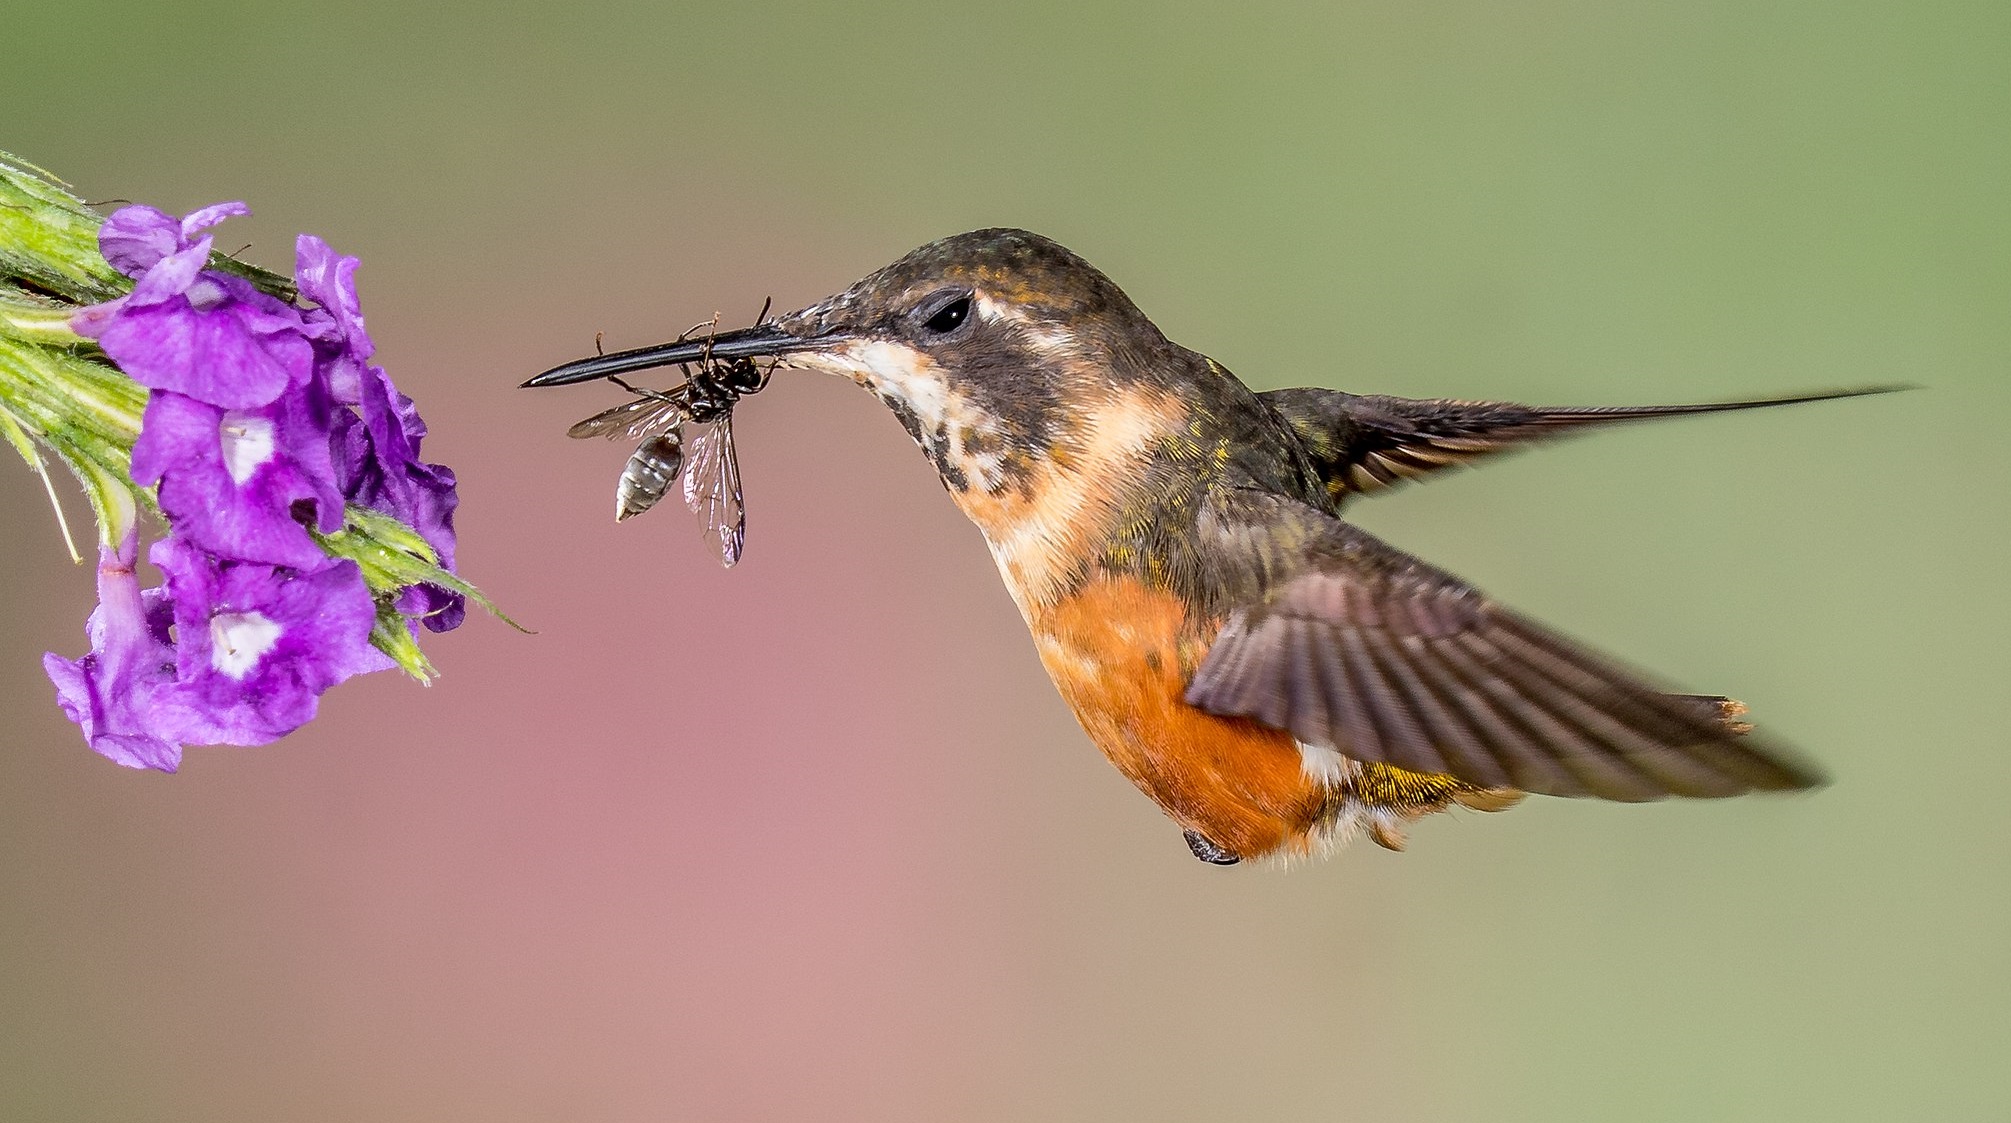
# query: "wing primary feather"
1363, 649
1686, 726
1269, 654
1604, 770
1404, 743
1650, 733
1461, 747
1367, 443
1629, 761
1355, 734
1531, 766
1309, 718
1593, 764
1496, 735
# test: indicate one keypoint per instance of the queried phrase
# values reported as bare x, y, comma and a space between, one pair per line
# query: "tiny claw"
1387, 831
1207, 851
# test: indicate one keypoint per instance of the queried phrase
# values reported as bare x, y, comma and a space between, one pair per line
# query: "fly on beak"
763, 341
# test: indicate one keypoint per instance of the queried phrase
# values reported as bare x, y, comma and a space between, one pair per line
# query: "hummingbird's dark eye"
945, 320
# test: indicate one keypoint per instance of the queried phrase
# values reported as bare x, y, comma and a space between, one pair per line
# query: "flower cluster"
266, 427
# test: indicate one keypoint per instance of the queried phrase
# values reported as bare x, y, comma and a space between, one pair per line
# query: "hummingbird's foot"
1386, 829
1207, 851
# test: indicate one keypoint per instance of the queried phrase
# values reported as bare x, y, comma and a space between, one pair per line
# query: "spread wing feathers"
1383, 658
1364, 443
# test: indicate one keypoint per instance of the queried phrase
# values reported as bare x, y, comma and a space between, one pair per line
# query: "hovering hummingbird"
1278, 680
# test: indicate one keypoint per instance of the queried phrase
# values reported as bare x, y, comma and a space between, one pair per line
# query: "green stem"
25, 445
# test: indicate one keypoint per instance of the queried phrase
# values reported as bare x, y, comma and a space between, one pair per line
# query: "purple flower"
381, 466
232, 481
135, 239
329, 279
122, 693
251, 649
377, 461
208, 335
265, 420
387, 475
258, 644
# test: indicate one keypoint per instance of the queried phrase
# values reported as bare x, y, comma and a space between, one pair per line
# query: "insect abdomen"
648, 474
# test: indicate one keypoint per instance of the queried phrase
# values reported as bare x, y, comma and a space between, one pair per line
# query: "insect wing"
630, 421
648, 473
712, 488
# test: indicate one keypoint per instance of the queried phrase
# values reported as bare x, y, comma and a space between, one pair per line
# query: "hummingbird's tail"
1361, 443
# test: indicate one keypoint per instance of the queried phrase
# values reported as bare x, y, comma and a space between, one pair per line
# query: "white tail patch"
1326, 767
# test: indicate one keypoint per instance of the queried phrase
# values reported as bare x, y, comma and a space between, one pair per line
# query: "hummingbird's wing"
1357, 646
1361, 443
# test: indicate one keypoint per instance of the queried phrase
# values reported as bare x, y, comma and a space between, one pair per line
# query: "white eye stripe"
996, 310
1048, 339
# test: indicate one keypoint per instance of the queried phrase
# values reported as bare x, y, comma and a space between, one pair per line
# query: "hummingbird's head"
990, 346
986, 304
1043, 395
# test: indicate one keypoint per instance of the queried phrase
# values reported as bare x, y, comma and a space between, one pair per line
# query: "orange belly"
1121, 653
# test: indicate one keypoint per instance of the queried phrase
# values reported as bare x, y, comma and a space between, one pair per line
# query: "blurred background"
814, 838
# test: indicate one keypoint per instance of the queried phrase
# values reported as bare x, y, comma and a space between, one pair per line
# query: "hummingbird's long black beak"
758, 342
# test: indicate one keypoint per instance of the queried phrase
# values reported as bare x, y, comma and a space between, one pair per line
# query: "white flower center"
247, 443
238, 639
205, 294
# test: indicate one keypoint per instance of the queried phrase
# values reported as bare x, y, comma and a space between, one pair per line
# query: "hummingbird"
1275, 678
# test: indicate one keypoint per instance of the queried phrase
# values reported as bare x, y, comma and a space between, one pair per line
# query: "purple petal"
440, 610
329, 279
80, 693
230, 479
341, 372
434, 500
387, 426
172, 275
307, 422
262, 313
235, 355
73, 688
259, 644
172, 426
388, 476
136, 238
91, 320
198, 221
119, 693
349, 442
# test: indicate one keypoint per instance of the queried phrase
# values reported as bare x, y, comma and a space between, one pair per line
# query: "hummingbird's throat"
1047, 502
971, 447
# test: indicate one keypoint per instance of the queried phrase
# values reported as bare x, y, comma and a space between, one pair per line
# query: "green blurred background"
815, 839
